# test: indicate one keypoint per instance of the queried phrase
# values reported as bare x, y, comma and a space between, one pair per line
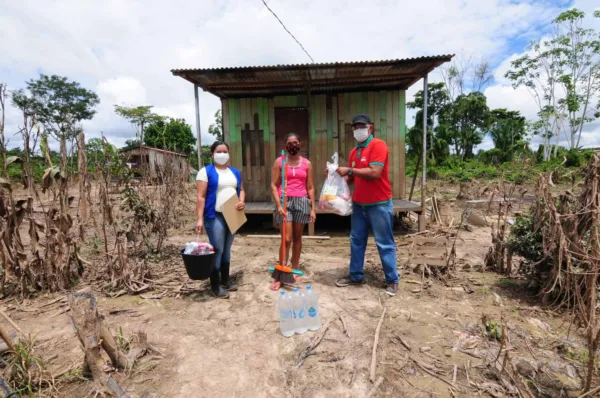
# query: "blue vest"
211, 190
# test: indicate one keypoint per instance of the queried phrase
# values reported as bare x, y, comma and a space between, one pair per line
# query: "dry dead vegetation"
44, 238
94, 299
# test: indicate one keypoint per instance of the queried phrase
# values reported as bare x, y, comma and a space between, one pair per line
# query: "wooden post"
198, 128
424, 157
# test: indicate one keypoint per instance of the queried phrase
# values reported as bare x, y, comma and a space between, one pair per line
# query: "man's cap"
361, 118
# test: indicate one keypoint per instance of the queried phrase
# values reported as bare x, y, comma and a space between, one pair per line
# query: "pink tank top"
296, 179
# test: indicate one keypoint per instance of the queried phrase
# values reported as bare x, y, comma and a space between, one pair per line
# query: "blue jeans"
220, 237
380, 219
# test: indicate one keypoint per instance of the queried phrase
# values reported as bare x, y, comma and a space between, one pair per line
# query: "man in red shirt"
368, 169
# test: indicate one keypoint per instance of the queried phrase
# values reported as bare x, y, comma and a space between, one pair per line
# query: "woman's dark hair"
215, 144
290, 135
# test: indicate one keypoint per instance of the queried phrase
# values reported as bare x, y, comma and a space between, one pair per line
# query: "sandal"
276, 285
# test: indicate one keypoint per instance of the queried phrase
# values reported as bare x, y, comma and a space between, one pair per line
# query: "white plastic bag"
198, 248
335, 195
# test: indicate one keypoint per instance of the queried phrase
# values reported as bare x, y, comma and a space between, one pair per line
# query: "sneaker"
344, 282
392, 289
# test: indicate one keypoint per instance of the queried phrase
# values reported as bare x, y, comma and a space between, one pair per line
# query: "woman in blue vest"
217, 183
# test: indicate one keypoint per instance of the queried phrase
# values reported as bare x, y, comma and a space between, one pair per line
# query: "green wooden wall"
330, 131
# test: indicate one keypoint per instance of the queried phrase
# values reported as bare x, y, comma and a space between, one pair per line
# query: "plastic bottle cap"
295, 289
282, 293
308, 287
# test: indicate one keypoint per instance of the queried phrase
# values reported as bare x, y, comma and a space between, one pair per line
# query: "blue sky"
124, 49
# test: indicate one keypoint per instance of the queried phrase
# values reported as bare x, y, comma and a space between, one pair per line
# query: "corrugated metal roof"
446, 58
245, 81
154, 149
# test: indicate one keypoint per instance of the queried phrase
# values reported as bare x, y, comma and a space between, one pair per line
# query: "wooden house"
146, 161
260, 105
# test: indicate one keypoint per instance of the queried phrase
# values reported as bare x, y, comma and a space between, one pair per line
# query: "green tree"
174, 135
131, 144
579, 74
139, 116
205, 157
60, 105
508, 131
437, 99
216, 129
562, 74
94, 149
464, 122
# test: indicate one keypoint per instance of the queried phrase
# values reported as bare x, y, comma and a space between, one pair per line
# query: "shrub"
525, 240
578, 157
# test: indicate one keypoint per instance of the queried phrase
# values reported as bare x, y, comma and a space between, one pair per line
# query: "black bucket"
199, 267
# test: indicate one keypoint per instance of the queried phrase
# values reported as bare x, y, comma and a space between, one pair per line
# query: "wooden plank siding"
383, 115
340, 125
272, 141
334, 146
394, 147
225, 115
402, 144
330, 118
263, 117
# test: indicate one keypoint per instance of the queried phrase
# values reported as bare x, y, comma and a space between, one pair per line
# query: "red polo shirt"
371, 192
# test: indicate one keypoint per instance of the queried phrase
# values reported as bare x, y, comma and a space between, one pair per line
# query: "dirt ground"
432, 343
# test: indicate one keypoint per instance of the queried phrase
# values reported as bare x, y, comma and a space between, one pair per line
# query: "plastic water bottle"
312, 305
300, 316
286, 315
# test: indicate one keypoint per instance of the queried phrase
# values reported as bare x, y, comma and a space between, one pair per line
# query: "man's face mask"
293, 148
360, 135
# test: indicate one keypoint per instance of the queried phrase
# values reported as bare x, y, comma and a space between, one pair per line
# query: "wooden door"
291, 120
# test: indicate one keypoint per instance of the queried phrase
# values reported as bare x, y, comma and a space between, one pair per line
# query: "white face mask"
221, 158
361, 135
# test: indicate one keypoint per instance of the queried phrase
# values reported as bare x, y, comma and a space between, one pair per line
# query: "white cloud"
519, 99
125, 50
122, 90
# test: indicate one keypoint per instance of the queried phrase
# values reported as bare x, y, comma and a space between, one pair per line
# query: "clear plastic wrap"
335, 195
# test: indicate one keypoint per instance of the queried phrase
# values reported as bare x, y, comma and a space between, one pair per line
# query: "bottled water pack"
286, 315
299, 311
312, 309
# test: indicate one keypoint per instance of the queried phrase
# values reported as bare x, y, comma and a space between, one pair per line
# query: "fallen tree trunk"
94, 337
9, 343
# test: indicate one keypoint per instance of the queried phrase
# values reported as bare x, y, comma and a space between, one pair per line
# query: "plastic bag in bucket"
335, 195
199, 259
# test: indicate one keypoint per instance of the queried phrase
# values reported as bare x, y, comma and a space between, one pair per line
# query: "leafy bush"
578, 157
525, 240
493, 156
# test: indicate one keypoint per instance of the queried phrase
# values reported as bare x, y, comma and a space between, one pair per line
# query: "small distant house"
147, 161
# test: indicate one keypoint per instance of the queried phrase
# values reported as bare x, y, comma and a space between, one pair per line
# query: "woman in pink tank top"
300, 200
